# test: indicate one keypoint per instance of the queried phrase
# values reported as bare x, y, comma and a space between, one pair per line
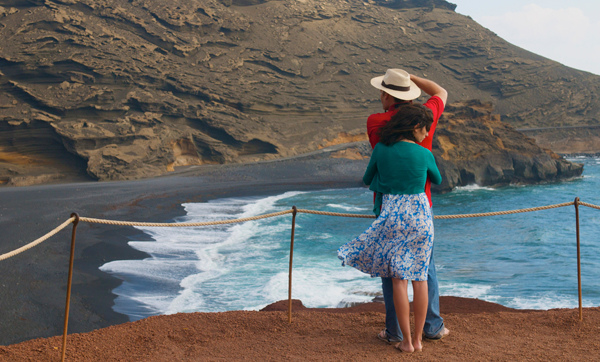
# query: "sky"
566, 31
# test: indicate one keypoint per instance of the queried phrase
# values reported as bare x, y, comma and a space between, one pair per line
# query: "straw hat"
397, 83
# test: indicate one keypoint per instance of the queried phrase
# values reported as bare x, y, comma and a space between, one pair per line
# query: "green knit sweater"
400, 169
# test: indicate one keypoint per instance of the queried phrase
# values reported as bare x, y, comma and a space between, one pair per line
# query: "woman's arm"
432, 170
371, 170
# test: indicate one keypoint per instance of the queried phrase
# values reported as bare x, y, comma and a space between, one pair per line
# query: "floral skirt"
398, 244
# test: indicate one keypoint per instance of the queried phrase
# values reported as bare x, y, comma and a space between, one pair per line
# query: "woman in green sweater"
398, 244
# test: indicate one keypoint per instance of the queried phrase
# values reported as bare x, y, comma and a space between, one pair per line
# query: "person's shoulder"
419, 148
379, 147
413, 147
436, 105
378, 117
409, 150
396, 148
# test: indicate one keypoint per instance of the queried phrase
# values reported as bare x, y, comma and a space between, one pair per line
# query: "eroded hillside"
133, 88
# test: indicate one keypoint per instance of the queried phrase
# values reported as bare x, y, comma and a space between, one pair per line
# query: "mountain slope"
135, 88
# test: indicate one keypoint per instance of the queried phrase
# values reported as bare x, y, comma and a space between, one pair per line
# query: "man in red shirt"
397, 88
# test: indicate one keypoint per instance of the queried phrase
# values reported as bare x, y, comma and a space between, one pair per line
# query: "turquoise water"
525, 261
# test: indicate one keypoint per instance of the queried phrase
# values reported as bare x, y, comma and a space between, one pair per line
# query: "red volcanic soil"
479, 331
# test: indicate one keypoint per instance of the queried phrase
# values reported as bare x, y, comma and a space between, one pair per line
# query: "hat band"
395, 87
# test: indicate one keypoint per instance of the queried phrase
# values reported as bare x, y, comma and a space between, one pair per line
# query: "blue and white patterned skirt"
398, 244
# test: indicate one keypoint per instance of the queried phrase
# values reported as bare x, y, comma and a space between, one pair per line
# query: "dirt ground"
480, 331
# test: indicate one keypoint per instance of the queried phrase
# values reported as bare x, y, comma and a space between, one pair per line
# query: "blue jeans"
434, 323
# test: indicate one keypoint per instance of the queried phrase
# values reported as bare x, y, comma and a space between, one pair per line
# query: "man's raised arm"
430, 87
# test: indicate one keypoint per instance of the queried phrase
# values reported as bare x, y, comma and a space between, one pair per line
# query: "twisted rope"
336, 214
458, 216
37, 241
505, 212
188, 224
222, 222
589, 205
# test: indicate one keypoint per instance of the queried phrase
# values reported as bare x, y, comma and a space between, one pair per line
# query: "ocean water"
525, 261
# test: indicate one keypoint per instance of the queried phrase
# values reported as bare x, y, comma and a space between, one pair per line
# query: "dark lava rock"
473, 146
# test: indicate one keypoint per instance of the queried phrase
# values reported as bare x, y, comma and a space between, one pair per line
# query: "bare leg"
403, 313
420, 301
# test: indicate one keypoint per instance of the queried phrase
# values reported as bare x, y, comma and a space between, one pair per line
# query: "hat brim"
409, 95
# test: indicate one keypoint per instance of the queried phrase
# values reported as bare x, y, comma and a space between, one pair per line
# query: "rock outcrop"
473, 146
134, 88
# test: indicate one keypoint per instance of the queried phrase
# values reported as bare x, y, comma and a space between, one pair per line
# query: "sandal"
441, 334
384, 336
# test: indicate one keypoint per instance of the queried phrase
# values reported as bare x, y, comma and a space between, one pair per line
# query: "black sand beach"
34, 283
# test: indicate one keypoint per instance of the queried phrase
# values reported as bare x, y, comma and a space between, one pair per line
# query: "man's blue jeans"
434, 323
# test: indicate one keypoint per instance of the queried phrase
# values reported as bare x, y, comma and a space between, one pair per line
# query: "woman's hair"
404, 122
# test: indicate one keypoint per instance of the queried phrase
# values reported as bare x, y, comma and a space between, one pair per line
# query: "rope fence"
75, 219
37, 241
265, 216
458, 216
589, 205
189, 224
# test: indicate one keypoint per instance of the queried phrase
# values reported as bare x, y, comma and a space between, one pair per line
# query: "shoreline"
35, 281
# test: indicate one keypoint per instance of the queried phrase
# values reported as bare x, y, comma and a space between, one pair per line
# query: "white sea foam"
217, 260
318, 287
184, 259
538, 301
150, 269
543, 302
472, 187
466, 290
320, 236
347, 207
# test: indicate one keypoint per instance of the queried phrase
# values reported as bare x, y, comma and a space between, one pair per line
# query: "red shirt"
377, 120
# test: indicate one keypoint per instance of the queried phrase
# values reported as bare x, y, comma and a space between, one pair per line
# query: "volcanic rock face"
472, 146
134, 88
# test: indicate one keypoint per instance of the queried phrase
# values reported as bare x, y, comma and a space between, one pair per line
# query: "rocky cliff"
473, 146
123, 89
